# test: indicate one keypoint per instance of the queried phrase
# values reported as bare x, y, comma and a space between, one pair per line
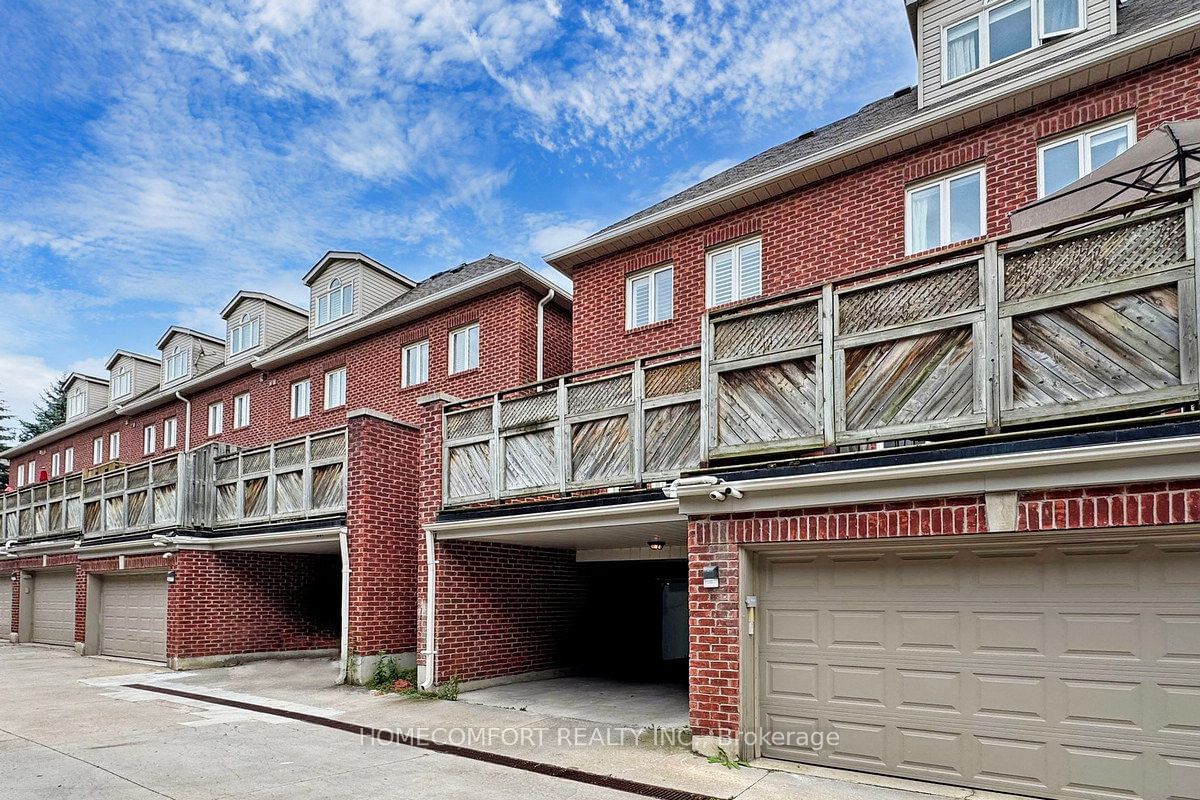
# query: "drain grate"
380, 734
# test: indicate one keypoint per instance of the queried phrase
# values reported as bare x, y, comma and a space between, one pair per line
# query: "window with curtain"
648, 297
946, 210
415, 364
464, 349
1067, 159
216, 419
735, 272
1006, 29
962, 48
335, 388
170, 432
241, 410
1061, 16
301, 398
69, 460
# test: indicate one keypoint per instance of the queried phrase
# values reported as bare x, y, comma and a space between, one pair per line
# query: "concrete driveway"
73, 727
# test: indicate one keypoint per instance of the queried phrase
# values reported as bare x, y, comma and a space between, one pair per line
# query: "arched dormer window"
245, 335
176, 364
122, 383
337, 302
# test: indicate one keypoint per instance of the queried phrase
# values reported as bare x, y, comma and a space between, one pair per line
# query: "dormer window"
336, 303
176, 364
1004, 30
122, 383
245, 335
76, 402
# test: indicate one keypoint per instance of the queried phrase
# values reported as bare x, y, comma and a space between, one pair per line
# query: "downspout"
541, 335
187, 422
430, 650
344, 669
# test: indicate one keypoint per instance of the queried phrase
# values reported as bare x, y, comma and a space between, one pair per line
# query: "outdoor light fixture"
712, 576
656, 544
171, 576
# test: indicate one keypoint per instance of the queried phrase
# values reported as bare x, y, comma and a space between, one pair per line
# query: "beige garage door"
133, 616
5, 605
53, 607
1070, 671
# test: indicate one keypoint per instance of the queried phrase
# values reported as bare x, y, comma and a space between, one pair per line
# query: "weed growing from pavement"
390, 678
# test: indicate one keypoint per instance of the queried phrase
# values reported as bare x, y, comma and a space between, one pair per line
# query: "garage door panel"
133, 616
5, 605
1067, 692
53, 617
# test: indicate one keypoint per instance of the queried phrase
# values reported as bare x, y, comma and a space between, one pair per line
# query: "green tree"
49, 413
5, 440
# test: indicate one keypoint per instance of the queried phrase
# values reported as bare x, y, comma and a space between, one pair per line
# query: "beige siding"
204, 354
97, 396
378, 289
145, 375
278, 323
372, 289
936, 15
281, 323
256, 309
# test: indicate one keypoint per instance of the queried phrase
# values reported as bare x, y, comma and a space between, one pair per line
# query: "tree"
49, 413
5, 440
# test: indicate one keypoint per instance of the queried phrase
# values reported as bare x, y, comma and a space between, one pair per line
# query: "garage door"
54, 607
133, 616
5, 605
1065, 671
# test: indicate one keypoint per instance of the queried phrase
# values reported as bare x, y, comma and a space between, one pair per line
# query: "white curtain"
962, 53
1059, 15
925, 219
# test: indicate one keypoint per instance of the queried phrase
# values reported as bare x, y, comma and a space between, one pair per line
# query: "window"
55, 465
170, 432
20, 475
1004, 30
735, 273
114, 445
648, 297
32, 472
416, 364
216, 419
245, 335
464, 349
176, 365
1066, 160
335, 388
947, 210
148, 444
97, 451
122, 383
76, 402
241, 410
301, 399
336, 303
69, 460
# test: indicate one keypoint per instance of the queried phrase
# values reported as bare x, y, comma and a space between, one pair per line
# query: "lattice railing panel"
772, 331
598, 395
908, 301
672, 379
529, 410
466, 424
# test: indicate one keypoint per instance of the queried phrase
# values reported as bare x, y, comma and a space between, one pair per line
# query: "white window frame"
170, 433
301, 390
114, 445
246, 335
180, 356
149, 445
739, 291
241, 411
68, 460
97, 450
122, 383
1084, 137
650, 275
76, 403
422, 349
327, 398
20, 475
345, 290
55, 465
1036, 36
32, 471
472, 358
216, 418
943, 180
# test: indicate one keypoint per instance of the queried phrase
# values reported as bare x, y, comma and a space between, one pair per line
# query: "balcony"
213, 487
1094, 317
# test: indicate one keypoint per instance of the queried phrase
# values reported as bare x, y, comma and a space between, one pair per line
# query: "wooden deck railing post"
826, 367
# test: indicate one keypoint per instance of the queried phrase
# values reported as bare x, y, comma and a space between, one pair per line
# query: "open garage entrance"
576, 617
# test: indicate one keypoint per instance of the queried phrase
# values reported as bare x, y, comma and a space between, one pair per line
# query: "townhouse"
888, 432
256, 494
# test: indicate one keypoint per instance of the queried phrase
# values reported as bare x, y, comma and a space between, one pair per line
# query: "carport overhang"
603, 527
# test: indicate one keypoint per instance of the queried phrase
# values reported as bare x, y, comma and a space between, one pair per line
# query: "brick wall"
715, 613
855, 221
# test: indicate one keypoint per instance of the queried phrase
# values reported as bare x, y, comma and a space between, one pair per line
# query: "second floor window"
335, 388
464, 349
55, 465
76, 403
735, 272
1006, 29
1066, 160
148, 444
69, 460
114, 445
336, 303
245, 335
97, 451
170, 433
176, 365
648, 297
241, 410
216, 419
416, 364
122, 383
301, 399
946, 210
20, 475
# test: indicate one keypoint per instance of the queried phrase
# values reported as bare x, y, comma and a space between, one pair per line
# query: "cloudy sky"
155, 157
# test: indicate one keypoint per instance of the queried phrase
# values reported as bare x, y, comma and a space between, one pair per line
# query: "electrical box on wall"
712, 576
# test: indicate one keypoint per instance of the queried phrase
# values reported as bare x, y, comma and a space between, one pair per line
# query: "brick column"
429, 502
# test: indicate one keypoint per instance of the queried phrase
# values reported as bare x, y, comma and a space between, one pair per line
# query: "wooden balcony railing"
289, 480
1095, 316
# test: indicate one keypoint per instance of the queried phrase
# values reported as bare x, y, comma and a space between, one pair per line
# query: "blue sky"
157, 157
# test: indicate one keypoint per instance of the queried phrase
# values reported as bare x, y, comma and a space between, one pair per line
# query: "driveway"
74, 727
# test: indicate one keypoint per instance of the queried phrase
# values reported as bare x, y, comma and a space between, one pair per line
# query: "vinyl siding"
145, 375
256, 309
205, 355
278, 323
372, 289
936, 15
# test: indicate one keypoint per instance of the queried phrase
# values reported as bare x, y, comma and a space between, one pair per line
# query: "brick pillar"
383, 534
713, 678
429, 503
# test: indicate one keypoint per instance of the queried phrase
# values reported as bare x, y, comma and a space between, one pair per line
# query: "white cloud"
24, 379
685, 178
550, 233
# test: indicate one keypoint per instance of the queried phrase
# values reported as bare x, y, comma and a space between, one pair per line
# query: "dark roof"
1132, 17
446, 279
